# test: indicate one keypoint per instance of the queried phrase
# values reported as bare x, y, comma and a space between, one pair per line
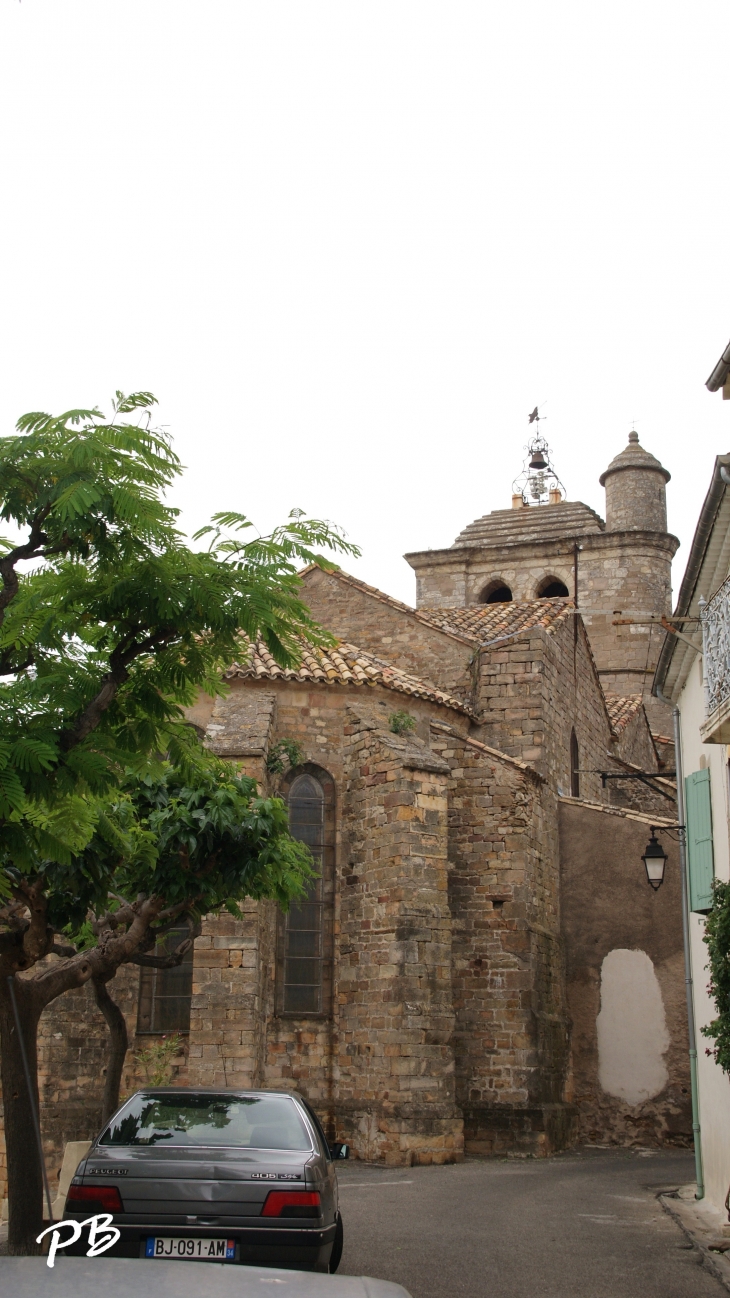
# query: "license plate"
197, 1250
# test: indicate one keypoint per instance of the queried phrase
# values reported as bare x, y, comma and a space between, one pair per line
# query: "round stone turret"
636, 499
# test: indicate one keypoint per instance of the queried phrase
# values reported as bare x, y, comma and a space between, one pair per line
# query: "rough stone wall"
522, 569
393, 633
608, 906
635, 795
634, 750
634, 743
225, 1042
298, 1052
636, 500
394, 1018
627, 573
456, 577
510, 1036
534, 691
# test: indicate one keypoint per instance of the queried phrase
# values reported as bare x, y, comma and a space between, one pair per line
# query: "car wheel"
336, 1253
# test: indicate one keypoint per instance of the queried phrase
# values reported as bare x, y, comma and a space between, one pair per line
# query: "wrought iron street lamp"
655, 860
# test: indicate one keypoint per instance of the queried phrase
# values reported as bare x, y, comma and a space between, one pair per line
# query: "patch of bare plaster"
631, 1027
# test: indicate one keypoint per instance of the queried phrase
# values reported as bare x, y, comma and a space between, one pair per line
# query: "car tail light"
94, 1198
292, 1203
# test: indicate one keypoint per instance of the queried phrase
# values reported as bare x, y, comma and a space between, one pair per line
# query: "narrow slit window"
165, 994
574, 766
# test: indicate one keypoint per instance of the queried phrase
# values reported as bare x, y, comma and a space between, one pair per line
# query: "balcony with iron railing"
715, 620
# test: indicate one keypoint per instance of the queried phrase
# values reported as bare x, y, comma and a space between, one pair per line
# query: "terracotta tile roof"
486, 622
382, 598
621, 709
342, 665
470, 625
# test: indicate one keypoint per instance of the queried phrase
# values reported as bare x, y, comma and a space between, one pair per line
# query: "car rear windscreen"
252, 1122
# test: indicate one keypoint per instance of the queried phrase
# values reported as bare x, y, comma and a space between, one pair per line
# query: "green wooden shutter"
700, 858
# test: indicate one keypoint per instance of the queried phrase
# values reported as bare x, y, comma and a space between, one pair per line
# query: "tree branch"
73, 973
120, 661
8, 667
38, 937
118, 1046
102, 961
31, 550
62, 949
163, 961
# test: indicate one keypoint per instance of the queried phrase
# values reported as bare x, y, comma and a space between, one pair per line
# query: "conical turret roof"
634, 457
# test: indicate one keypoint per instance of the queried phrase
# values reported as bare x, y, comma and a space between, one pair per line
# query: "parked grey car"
214, 1175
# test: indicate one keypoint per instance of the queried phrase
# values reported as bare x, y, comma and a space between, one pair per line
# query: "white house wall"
714, 1085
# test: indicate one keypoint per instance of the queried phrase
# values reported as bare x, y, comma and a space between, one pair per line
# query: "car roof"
212, 1090
76, 1277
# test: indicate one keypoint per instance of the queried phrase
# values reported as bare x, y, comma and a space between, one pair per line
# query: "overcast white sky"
350, 245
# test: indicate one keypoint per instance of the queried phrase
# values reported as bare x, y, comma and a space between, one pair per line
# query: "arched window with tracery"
305, 932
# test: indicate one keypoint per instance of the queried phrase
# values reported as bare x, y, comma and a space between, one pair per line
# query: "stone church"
481, 967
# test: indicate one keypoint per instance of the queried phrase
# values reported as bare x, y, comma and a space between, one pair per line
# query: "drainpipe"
687, 957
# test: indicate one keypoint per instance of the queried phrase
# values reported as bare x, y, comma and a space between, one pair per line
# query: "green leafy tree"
109, 625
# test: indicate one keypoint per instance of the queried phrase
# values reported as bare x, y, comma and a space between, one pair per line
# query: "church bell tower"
618, 572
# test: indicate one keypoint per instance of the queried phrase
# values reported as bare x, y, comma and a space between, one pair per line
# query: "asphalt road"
582, 1225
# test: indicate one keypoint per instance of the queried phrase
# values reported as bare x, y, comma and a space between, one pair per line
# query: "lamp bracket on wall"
646, 777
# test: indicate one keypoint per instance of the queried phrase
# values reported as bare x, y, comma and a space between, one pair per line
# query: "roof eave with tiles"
343, 664
622, 708
485, 623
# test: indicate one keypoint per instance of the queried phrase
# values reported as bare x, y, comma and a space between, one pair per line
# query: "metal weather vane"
538, 477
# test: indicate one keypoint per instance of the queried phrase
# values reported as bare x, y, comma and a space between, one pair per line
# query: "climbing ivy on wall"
717, 940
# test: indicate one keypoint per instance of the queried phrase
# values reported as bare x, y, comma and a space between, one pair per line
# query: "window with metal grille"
165, 994
305, 934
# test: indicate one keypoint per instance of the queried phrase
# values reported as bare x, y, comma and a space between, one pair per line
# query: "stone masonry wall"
636, 500
510, 1038
634, 743
225, 1042
635, 751
456, 578
383, 628
609, 911
625, 574
394, 1017
534, 691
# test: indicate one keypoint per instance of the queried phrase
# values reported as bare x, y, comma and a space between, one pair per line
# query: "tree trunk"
118, 1046
25, 1179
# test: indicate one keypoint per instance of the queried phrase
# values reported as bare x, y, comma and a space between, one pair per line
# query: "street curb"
690, 1222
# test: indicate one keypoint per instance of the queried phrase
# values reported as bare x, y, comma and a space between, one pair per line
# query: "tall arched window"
574, 766
305, 934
